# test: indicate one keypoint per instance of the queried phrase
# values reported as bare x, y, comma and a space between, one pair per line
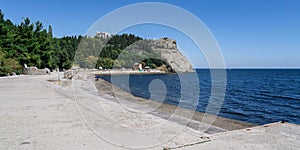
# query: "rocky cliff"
169, 53
162, 49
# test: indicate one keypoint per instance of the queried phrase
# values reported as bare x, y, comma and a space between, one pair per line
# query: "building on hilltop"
103, 35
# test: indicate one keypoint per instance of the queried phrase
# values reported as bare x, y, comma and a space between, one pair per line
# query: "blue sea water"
257, 96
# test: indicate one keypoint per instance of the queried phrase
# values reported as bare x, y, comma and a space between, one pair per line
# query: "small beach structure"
137, 66
147, 68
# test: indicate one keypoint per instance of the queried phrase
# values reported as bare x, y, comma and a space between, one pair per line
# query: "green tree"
28, 43
8, 65
105, 63
50, 31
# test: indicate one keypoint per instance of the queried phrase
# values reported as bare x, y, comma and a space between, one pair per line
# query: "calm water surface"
257, 96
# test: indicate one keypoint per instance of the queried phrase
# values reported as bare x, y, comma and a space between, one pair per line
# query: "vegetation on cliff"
116, 52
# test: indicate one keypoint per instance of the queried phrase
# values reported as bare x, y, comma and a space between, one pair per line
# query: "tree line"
30, 43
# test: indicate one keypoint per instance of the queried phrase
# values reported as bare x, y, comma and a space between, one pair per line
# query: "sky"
250, 34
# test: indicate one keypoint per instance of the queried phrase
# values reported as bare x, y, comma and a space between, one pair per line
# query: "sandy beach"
73, 114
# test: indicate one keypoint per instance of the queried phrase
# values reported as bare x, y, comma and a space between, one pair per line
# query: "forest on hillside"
32, 44
119, 51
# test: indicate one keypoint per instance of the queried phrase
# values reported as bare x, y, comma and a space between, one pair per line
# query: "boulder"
36, 71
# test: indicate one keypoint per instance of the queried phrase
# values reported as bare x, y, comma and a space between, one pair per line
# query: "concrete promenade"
37, 114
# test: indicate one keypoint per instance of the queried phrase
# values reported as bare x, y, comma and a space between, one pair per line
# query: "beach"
71, 114
125, 71
165, 110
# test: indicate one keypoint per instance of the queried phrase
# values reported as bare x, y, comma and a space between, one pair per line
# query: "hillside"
122, 51
31, 44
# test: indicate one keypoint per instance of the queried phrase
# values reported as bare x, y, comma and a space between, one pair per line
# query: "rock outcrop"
35, 71
164, 49
169, 53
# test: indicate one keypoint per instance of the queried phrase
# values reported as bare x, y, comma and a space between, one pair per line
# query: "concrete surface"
281, 136
37, 114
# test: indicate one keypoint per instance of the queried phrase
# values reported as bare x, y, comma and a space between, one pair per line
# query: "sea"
257, 96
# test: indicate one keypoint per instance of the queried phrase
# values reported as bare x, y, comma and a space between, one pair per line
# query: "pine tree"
50, 31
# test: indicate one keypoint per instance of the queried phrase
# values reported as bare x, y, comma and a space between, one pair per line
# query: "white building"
103, 35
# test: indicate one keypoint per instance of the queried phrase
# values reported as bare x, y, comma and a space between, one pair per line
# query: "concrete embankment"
37, 114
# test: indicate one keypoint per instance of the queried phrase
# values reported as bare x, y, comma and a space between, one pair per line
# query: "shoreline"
40, 112
105, 87
124, 72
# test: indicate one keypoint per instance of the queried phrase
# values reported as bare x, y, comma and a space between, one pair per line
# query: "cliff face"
164, 49
170, 53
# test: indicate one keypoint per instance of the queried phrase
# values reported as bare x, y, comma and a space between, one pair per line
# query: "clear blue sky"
253, 33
